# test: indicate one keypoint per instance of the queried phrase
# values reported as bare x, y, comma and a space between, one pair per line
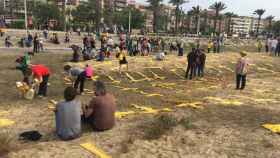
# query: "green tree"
84, 14
217, 7
276, 28
260, 13
177, 3
270, 19
229, 16
44, 12
196, 11
121, 18
204, 26
155, 7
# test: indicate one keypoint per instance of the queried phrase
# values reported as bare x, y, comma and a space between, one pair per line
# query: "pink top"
242, 66
89, 71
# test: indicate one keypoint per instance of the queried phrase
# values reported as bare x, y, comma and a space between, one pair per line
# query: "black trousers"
43, 87
200, 70
80, 81
240, 81
36, 47
191, 70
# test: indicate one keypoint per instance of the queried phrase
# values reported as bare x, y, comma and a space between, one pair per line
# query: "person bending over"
80, 74
41, 75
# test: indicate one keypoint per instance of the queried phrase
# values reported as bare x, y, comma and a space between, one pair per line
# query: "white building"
245, 25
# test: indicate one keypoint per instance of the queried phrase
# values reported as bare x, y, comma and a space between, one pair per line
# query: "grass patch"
186, 123
159, 126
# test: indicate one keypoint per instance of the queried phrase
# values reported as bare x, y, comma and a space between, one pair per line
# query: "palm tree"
260, 13
155, 7
189, 17
217, 7
204, 15
196, 13
229, 16
177, 3
270, 19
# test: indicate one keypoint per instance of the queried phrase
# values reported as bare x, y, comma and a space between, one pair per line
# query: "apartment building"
245, 25
241, 25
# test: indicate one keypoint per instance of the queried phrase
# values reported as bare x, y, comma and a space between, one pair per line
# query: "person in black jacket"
200, 62
191, 64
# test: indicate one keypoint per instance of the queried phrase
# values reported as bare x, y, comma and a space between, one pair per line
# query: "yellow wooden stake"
93, 149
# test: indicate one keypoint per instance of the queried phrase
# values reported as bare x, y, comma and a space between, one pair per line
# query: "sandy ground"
227, 126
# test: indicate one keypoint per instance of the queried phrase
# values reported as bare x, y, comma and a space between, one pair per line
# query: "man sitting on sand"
100, 113
68, 116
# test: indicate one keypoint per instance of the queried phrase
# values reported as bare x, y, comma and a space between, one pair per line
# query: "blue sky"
240, 7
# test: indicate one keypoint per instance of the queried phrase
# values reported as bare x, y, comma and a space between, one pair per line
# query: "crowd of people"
272, 45
100, 111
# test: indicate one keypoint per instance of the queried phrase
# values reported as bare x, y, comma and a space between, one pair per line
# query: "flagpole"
65, 15
25, 14
129, 21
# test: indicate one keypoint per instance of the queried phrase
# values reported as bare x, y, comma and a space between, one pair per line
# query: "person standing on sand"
241, 71
259, 45
278, 48
209, 46
191, 64
274, 43
267, 45
100, 113
121, 55
200, 62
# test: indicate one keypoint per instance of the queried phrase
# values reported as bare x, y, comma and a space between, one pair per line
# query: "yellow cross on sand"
275, 128
132, 78
144, 76
156, 76
175, 72
93, 149
195, 105
113, 80
6, 122
224, 101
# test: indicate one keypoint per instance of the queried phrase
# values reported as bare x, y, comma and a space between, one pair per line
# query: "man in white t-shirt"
274, 43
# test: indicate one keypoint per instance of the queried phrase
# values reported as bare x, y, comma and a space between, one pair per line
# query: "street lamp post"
65, 22
129, 21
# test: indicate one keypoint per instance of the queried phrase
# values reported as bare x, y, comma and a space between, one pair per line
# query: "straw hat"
243, 53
